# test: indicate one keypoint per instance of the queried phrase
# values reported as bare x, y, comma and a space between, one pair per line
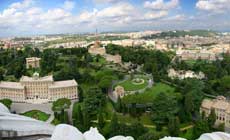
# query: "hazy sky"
25, 17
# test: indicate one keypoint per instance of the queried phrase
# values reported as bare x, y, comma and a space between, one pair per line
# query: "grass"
145, 119
55, 121
149, 95
36, 114
129, 86
187, 135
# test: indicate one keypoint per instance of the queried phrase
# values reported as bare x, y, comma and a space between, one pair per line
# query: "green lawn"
150, 94
188, 134
36, 114
129, 86
145, 119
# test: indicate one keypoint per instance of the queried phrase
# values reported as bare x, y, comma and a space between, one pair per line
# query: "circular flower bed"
138, 81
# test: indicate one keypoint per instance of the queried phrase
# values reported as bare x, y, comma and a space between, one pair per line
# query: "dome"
93, 134
66, 132
3, 108
36, 75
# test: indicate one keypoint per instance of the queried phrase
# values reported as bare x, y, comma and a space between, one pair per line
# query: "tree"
113, 125
61, 104
174, 126
87, 121
80, 94
136, 129
78, 118
6, 102
211, 118
94, 101
119, 104
101, 121
105, 83
2, 73
163, 108
189, 106
201, 127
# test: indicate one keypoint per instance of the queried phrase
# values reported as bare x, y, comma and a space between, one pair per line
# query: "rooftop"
67, 83
14, 85
31, 79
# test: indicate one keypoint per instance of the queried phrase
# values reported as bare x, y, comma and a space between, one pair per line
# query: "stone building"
33, 62
222, 109
197, 54
182, 74
113, 58
119, 91
96, 49
38, 89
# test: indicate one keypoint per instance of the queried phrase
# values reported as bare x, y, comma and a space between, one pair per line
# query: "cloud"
68, 5
107, 1
22, 5
215, 6
155, 15
161, 4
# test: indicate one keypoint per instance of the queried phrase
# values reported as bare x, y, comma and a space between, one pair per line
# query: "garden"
136, 83
37, 114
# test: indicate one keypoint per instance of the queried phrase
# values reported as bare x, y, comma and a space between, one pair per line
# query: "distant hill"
203, 33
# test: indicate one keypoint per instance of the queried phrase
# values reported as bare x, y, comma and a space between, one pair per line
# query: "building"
181, 74
33, 62
38, 89
113, 58
96, 49
197, 54
222, 109
119, 91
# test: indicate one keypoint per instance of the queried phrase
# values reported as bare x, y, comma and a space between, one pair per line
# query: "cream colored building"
113, 58
222, 109
38, 89
96, 49
33, 62
119, 91
182, 74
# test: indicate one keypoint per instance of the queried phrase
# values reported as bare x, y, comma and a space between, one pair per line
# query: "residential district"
150, 85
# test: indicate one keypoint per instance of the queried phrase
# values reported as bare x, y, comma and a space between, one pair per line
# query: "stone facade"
181, 74
196, 54
113, 58
222, 109
119, 91
38, 89
96, 49
33, 62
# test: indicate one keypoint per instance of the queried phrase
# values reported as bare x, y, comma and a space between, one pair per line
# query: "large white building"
38, 89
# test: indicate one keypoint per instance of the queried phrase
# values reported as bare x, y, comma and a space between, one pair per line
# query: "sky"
32, 17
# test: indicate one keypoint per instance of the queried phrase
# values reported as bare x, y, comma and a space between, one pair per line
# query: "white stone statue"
172, 138
215, 136
121, 138
13, 125
66, 132
93, 134
25, 126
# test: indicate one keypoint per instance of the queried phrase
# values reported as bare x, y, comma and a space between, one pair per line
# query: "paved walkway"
151, 126
51, 118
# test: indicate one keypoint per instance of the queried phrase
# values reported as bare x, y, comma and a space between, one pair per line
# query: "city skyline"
31, 17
